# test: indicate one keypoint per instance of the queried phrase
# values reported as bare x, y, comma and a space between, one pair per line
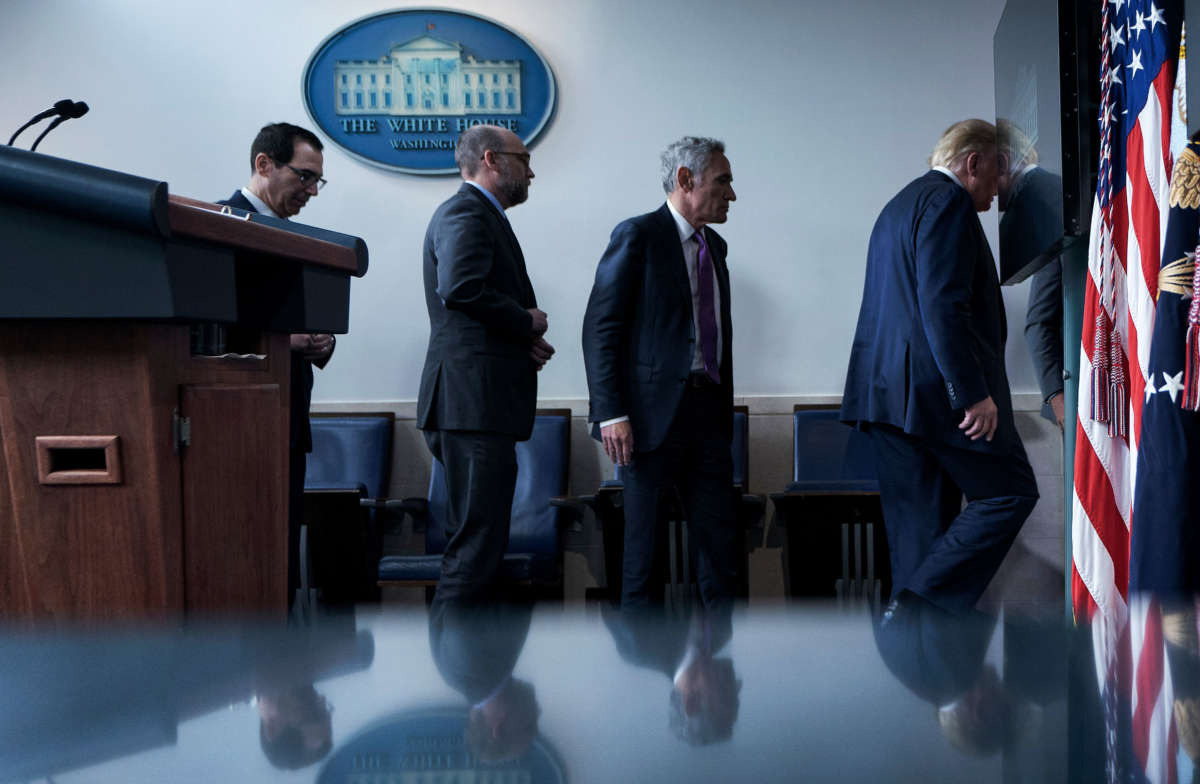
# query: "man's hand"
618, 442
540, 324
313, 347
540, 352
981, 420
1057, 405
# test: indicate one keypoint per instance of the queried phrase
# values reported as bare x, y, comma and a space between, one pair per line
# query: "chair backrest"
542, 464
741, 447
824, 449
351, 450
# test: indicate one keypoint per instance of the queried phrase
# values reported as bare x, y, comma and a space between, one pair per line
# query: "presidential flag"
1165, 543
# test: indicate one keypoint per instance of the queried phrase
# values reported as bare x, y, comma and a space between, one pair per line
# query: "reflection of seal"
413, 742
1185, 180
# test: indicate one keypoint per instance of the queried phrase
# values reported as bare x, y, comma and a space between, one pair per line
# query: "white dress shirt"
259, 204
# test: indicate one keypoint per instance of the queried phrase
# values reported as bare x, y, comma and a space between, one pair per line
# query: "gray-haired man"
657, 344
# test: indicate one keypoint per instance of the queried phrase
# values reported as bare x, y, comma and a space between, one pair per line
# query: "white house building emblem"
396, 89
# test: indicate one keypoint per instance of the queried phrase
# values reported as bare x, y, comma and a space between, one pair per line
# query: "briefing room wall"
826, 108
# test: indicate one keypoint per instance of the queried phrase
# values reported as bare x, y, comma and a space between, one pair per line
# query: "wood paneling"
120, 551
235, 499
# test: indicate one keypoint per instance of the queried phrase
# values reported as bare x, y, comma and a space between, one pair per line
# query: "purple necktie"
708, 318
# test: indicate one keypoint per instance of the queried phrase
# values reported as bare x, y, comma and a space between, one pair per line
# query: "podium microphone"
77, 109
59, 108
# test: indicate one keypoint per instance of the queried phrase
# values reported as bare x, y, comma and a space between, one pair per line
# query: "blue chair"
351, 450
351, 460
830, 508
534, 555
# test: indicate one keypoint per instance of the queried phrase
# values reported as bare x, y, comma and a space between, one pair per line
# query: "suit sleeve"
465, 252
945, 257
1043, 327
606, 325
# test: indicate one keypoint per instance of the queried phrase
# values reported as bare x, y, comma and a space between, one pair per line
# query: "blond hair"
962, 139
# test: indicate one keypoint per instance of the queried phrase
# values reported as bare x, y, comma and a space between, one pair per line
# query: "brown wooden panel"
14, 591
98, 551
235, 499
204, 221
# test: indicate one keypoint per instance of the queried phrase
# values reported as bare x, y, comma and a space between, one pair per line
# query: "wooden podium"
146, 480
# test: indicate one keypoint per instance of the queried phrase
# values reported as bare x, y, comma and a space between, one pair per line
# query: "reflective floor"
542, 694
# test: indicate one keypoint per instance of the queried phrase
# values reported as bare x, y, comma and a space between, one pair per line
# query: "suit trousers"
943, 551
695, 458
481, 475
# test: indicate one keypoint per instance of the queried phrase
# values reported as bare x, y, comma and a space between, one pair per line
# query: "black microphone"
77, 109
59, 107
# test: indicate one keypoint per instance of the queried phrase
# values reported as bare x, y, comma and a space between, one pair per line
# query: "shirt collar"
950, 174
259, 204
489, 195
685, 229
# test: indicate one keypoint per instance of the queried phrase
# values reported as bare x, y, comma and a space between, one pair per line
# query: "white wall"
826, 108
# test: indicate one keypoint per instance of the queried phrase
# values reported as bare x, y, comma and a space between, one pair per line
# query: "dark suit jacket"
1031, 223
931, 331
638, 332
299, 428
478, 374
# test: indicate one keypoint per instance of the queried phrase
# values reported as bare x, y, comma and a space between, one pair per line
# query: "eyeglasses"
523, 157
307, 177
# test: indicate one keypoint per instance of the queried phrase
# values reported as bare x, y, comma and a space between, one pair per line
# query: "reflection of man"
927, 380
657, 341
286, 169
479, 386
295, 727
704, 696
476, 644
940, 658
1030, 224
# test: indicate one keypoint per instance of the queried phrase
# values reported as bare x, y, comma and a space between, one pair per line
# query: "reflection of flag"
1139, 50
430, 27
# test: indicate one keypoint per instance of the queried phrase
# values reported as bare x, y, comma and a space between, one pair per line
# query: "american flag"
1139, 52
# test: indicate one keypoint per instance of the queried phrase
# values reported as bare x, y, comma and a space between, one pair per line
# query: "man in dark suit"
704, 698
927, 380
475, 644
478, 389
657, 346
286, 168
1031, 223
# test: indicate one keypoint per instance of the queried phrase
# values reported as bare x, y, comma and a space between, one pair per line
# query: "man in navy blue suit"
657, 341
286, 168
927, 380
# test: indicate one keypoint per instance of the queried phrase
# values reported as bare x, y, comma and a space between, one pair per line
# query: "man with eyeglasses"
286, 169
478, 388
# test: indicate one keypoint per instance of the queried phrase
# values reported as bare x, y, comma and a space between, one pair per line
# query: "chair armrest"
751, 508
417, 508
573, 509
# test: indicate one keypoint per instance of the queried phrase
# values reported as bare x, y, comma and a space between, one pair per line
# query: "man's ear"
973, 159
683, 178
263, 164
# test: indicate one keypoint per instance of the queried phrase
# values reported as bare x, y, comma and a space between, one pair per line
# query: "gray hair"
962, 139
692, 152
469, 149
